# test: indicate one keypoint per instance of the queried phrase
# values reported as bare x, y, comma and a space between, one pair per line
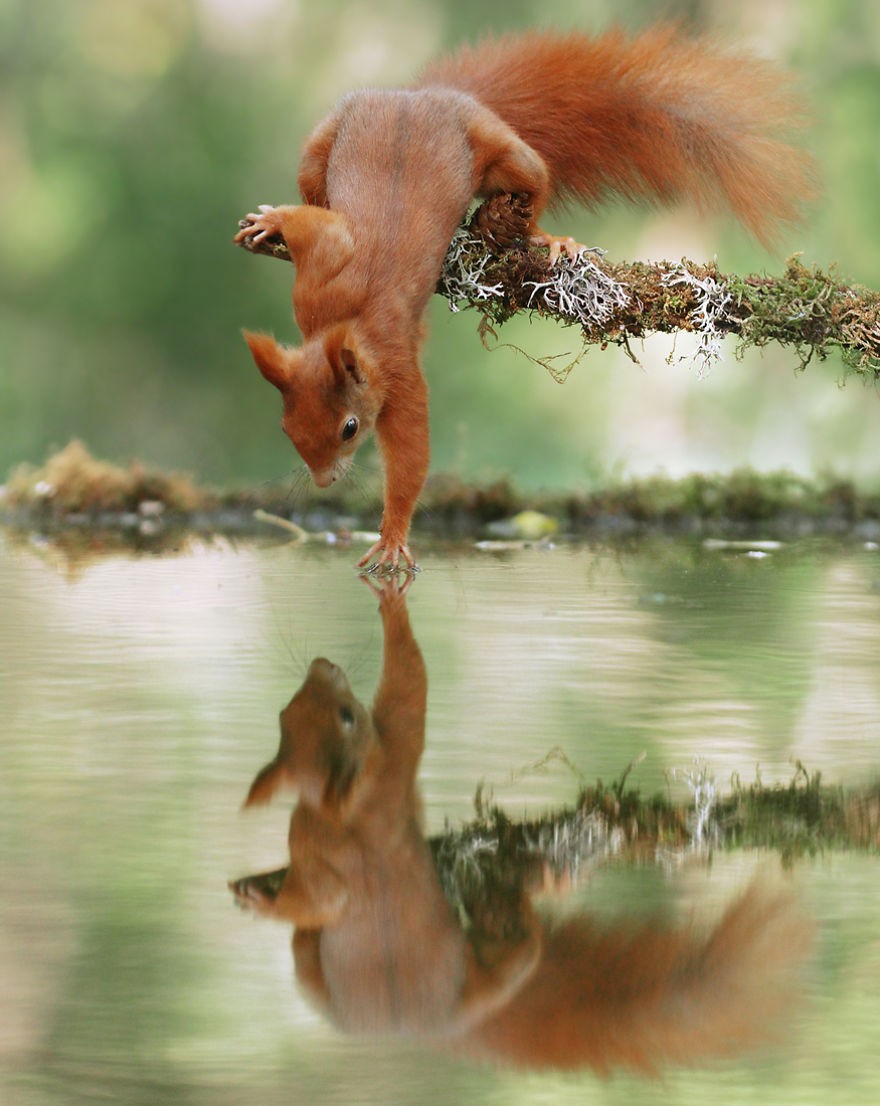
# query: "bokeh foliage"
134, 135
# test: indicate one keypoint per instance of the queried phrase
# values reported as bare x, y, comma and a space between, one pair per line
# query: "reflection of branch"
610, 823
803, 817
807, 309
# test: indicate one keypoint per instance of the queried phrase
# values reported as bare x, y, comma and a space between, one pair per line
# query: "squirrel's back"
657, 117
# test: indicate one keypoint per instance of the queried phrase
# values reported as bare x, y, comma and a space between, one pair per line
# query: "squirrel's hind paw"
558, 244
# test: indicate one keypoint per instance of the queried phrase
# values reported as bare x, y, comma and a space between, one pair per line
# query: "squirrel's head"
326, 734
329, 406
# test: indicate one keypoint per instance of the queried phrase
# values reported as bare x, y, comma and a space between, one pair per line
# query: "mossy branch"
807, 309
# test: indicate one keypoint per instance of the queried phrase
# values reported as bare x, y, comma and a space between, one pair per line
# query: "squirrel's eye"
349, 429
347, 716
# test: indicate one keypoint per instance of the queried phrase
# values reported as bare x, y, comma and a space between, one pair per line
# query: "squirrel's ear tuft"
273, 361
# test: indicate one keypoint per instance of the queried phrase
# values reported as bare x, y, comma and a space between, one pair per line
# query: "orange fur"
644, 996
389, 175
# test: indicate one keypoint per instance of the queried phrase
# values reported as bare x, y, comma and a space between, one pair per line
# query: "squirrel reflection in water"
378, 948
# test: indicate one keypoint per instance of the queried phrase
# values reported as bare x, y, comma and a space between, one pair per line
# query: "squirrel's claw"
258, 225
387, 557
249, 897
558, 244
388, 588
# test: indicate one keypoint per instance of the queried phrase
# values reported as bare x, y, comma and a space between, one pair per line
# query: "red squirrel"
388, 176
379, 949
377, 946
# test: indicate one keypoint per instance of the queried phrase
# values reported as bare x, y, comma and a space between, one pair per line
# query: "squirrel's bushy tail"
657, 117
641, 997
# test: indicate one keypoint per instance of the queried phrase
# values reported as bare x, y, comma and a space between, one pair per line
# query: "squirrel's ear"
272, 360
348, 360
266, 783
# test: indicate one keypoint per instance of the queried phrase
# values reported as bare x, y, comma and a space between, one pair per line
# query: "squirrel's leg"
503, 163
307, 962
312, 895
497, 967
403, 436
312, 177
312, 234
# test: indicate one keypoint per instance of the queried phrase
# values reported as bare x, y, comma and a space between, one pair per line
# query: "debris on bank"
74, 493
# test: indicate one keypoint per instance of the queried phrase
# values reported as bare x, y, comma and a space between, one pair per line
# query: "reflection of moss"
615, 823
803, 816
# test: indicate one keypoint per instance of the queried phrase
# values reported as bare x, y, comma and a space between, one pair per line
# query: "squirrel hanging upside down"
380, 950
388, 176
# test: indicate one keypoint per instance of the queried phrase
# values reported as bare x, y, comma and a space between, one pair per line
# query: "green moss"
92, 507
73, 482
807, 309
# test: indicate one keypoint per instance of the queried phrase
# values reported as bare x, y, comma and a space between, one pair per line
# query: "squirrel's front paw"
256, 227
388, 557
249, 895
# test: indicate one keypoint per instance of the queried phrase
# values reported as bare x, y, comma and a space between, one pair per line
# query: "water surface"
140, 695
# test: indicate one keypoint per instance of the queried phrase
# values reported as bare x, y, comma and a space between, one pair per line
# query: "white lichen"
578, 289
711, 310
463, 272
701, 782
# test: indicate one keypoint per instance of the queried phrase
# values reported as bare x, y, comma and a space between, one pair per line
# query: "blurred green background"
134, 134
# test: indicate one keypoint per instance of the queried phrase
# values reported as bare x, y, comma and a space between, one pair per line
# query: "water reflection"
505, 975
